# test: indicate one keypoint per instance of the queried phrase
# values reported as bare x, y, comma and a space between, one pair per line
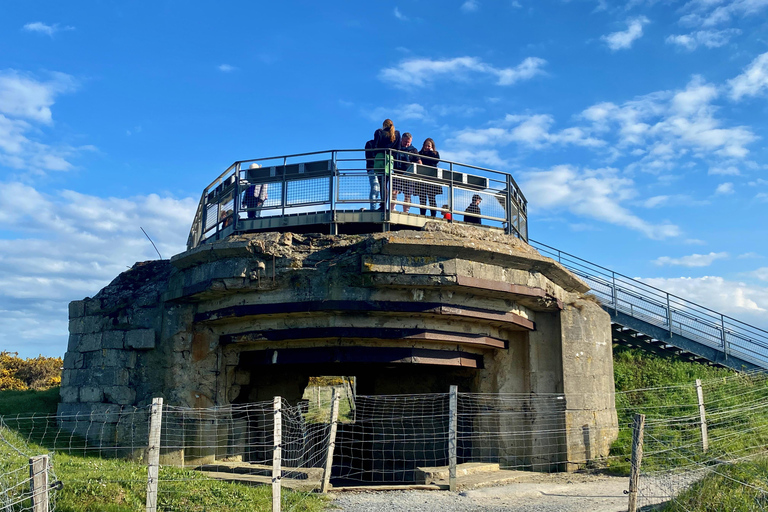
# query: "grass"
92, 484
718, 491
28, 402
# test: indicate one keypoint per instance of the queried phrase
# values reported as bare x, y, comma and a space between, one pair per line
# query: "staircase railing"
621, 294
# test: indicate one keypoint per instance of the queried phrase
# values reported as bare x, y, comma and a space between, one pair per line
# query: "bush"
38, 373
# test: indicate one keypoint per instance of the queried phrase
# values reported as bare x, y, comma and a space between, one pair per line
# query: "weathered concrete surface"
256, 315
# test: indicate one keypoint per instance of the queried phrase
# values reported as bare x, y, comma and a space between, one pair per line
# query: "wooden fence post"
637, 459
153, 453
452, 428
38, 474
277, 453
331, 442
703, 416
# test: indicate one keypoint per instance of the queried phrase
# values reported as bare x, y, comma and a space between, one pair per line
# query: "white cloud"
745, 302
419, 72
399, 15
668, 125
693, 260
489, 157
72, 245
42, 28
470, 5
226, 68
724, 188
623, 40
753, 81
761, 273
709, 13
25, 108
407, 112
596, 194
708, 38
529, 130
748, 255
731, 170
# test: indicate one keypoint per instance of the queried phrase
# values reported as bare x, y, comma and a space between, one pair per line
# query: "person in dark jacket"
428, 192
407, 156
474, 208
385, 137
376, 181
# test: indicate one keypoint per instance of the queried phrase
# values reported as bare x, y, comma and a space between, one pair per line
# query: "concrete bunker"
256, 315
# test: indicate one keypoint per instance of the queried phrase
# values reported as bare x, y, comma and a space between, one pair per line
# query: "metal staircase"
652, 319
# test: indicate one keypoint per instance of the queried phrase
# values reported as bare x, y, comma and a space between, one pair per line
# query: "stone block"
93, 307
91, 394
76, 308
122, 395
113, 339
89, 342
69, 394
109, 376
140, 339
74, 340
144, 317
72, 360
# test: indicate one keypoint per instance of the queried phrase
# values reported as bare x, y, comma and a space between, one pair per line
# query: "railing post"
153, 453
637, 459
284, 192
614, 293
236, 209
669, 315
38, 474
331, 442
508, 200
702, 416
277, 452
452, 435
334, 186
723, 336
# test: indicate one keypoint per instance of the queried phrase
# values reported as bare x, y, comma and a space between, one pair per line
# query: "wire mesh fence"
694, 434
25, 475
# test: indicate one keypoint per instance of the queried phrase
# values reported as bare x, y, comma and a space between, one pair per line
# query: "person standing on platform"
428, 191
474, 208
385, 137
255, 196
407, 156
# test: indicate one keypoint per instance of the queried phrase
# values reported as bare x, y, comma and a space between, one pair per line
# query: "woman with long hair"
388, 138
428, 191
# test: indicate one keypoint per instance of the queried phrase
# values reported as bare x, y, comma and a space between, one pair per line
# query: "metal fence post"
702, 416
452, 434
38, 474
669, 315
277, 439
153, 453
637, 458
723, 336
615, 294
331, 442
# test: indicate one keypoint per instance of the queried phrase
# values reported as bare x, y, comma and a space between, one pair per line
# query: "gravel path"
541, 493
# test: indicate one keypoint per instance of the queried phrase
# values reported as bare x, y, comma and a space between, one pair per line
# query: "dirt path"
538, 493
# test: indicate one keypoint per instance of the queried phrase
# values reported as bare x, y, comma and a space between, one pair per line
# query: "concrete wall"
256, 315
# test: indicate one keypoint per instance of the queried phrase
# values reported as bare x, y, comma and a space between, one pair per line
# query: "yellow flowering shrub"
35, 373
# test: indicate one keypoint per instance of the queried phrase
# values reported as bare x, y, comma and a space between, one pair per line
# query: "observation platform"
340, 192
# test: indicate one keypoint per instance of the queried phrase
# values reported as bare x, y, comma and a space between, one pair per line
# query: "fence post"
669, 315
725, 340
452, 428
277, 439
331, 442
702, 415
38, 474
637, 459
615, 294
153, 453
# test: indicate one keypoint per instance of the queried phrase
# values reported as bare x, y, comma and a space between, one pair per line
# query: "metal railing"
622, 294
320, 186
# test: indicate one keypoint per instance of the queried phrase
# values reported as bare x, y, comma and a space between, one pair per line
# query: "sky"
636, 129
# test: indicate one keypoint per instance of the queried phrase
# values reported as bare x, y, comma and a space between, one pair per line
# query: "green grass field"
92, 484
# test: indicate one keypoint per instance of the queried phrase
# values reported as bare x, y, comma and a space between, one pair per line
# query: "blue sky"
637, 129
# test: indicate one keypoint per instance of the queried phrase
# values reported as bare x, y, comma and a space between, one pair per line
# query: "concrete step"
432, 475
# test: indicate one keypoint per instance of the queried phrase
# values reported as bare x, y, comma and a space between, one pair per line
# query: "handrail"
671, 312
344, 180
